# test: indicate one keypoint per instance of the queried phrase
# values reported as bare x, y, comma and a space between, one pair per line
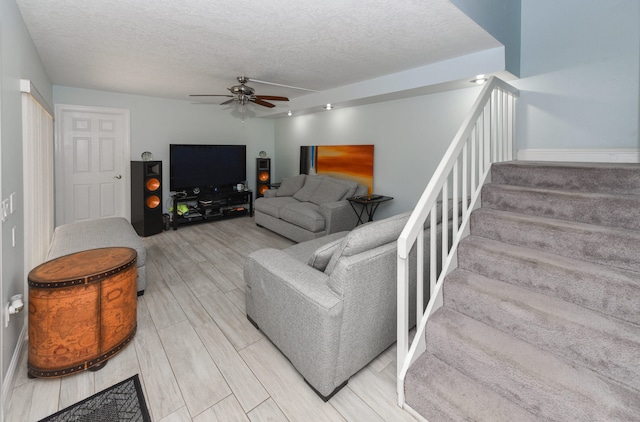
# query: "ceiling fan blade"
228, 101
271, 98
210, 95
262, 103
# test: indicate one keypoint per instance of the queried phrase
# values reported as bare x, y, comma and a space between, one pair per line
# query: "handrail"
485, 136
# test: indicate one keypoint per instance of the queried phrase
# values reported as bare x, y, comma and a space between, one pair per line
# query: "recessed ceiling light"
480, 79
328, 106
290, 113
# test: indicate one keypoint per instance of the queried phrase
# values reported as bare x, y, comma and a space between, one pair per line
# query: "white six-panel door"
92, 163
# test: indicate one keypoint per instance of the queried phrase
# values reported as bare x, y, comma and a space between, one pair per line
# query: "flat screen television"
207, 167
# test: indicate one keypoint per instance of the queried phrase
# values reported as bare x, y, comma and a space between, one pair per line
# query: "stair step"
441, 393
607, 346
540, 318
592, 208
610, 291
604, 245
616, 178
535, 379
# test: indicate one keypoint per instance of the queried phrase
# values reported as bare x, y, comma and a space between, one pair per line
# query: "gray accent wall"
18, 60
501, 19
580, 74
579, 65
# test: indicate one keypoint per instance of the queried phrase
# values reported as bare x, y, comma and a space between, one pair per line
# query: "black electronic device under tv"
209, 168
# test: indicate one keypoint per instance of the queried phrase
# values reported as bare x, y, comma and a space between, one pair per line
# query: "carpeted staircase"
541, 319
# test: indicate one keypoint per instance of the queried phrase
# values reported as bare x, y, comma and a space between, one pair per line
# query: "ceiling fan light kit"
243, 94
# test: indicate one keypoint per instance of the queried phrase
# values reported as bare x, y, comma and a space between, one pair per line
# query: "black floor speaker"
263, 175
146, 197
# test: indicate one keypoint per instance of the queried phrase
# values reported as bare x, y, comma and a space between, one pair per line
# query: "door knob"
118, 176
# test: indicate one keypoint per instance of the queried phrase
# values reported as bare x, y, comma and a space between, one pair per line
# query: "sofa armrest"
338, 216
304, 250
270, 193
292, 304
273, 269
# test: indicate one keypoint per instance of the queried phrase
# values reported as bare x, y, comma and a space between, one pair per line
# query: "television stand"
210, 207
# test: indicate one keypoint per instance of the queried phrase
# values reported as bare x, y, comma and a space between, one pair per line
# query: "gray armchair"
329, 304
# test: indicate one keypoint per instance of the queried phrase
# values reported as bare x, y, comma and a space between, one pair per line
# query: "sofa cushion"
304, 250
321, 256
329, 190
350, 192
360, 190
369, 236
269, 193
303, 214
272, 206
311, 183
291, 185
350, 184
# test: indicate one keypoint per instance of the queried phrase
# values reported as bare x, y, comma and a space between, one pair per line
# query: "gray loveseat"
307, 207
329, 304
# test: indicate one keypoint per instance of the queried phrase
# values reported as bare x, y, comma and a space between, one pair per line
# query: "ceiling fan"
243, 94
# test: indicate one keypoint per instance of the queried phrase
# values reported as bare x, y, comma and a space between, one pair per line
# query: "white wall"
410, 138
158, 122
18, 60
580, 74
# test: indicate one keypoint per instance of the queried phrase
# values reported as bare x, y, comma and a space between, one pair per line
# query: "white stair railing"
486, 136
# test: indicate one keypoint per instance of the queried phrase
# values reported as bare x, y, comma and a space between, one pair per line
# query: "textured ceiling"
169, 48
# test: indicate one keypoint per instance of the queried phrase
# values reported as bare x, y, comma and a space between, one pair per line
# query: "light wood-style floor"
198, 357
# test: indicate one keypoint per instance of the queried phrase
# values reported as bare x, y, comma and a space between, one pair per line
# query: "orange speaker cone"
262, 188
153, 184
263, 176
153, 201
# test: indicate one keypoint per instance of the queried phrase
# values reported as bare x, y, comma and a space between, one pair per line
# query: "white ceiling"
172, 48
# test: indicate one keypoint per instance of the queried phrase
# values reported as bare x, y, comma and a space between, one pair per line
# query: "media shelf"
210, 207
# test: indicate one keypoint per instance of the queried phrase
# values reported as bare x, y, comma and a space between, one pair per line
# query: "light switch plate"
12, 203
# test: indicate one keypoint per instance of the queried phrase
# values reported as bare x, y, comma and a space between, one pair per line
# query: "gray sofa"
101, 233
329, 304
307, 207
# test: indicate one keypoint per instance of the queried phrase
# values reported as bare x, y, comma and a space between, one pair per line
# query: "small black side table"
369, 205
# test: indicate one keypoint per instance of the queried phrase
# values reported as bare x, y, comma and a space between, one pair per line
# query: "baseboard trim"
413, 413
596, 155
7, 383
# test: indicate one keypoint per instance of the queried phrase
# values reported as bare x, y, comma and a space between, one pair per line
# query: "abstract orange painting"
351, 162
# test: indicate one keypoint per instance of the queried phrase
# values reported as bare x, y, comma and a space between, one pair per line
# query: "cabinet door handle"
118, 176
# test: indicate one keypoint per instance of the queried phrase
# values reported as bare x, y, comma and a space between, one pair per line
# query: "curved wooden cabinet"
82, 310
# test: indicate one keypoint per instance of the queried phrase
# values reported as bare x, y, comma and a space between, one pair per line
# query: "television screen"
206, 166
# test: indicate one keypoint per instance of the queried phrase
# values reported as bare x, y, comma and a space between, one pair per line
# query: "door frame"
60, 110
